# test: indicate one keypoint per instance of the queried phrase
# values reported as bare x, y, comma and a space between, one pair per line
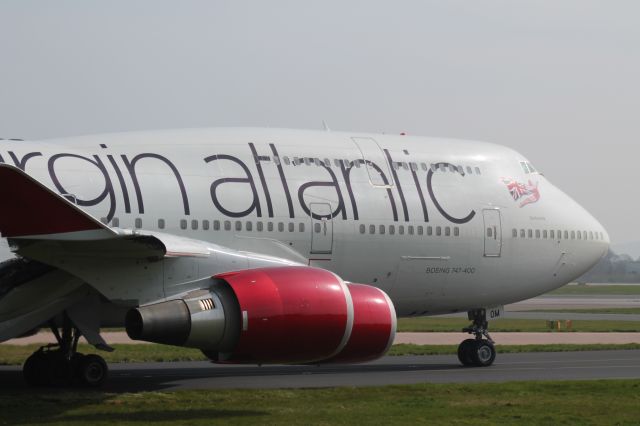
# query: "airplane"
273, 245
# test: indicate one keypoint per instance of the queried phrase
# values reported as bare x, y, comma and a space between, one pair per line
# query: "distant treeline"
614, 268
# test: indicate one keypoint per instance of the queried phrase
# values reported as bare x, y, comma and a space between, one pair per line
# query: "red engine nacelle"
274, 315
306, 315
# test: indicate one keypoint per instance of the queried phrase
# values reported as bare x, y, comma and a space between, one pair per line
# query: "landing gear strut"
477, 352
61, 365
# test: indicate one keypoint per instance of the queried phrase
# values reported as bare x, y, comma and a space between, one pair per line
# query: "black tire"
35, 370
59, 368
483, 353
92, 370
465, 352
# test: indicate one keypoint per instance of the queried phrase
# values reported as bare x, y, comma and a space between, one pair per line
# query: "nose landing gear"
480, 351
61, 365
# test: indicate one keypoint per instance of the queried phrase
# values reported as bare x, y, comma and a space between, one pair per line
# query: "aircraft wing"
69, 260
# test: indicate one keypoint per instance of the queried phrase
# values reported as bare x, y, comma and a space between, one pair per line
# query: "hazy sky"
557, 80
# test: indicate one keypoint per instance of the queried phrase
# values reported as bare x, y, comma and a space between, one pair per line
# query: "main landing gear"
61, 365
477, 352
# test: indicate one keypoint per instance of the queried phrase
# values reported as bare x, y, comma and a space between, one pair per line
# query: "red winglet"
28, 208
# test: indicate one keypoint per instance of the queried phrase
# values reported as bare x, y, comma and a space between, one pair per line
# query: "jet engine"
294, 315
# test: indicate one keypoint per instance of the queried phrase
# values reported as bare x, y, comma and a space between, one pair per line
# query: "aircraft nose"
592, 250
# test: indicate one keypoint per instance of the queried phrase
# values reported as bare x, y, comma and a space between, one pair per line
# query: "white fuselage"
440, 225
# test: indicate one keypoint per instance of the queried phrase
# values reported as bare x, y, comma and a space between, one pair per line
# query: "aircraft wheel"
92, 370
35, 369
483, 353
465, 352
60, 372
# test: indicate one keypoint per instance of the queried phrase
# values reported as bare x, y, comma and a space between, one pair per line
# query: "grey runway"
386, 371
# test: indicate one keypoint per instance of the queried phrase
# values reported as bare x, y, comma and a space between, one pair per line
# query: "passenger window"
115, 222
401, 230
286, 160
248, 226
270, 226
336, 162
447, 231
469, 170
438, 231
530, 233
372, 229
216, 225
362, 229
490, 232
522, 234
138, 223
392, 229
161, 223
552, 234
537, 233
410, 229
183, 223
579, 235
292, 227
478, 171
456, 231
382, 229
420, 230
227, 225
194, 224
205, 225
317, 228
544, 234
424, 167
566, 235
514, 233
429, 230
281, 226
301, 227
434, 167
238, 225
573, 235
259, 226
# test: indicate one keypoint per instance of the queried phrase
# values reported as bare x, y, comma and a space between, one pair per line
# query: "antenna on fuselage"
325, 126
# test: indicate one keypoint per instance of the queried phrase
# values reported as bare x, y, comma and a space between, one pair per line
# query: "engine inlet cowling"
274, 315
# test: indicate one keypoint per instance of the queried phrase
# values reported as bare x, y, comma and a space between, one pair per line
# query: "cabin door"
492, 233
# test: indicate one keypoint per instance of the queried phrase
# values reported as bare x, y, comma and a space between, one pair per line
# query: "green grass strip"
603, 402
445, 324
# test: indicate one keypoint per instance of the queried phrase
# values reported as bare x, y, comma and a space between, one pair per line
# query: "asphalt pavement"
622, 364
